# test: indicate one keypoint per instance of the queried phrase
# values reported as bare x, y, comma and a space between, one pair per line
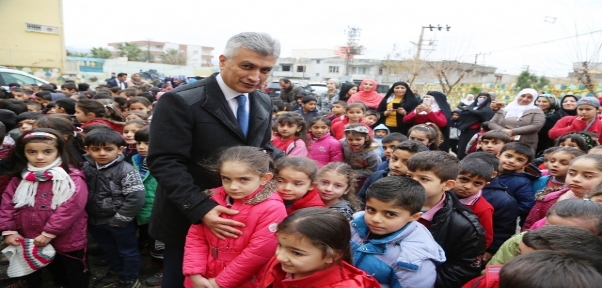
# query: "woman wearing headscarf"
179, 80
347, 89
435, 109
521, 120
547, 104
466, 101
397, 103
367, 94
324, 100
470, 121
136, 80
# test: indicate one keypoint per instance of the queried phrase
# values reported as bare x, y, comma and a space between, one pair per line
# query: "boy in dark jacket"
518, 176
308, 108
388, 143
116, 195
505, 208
453, 226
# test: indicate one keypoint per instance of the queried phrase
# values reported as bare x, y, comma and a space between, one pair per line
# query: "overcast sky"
495, 29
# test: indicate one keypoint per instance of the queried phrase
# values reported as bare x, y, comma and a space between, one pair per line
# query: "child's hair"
394, 136
476, 167
548, 269
64, 126
411, 146
307, 99
432, 132
318, 119
371, 112
14, 105
599, 147
142, 135
18, 160
588, 213
112, 112
596, 191
69, 86
356, 105
38, 105
92, 127
139, 123
92, 106
115, 90
293, 118
28, 116
102, 137
301, 164
279, 105
45, 95
68, 104
583, 141
407, 193
496, 135
359, 129
520, 148
340, 102
102, 95
83, 86
485, 126
551, 150
345, 170
138, 99
255, 158
147, 95
595, 157
444, 165
130, 92
143, 116
121, 102
326, 229
569, 150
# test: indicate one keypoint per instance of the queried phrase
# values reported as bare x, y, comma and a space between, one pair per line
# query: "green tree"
474, 90
529, 80
99, 52
129, 50
77, 54
173, 57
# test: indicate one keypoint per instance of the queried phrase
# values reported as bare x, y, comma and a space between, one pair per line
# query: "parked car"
273, 88
8, 76
319, 88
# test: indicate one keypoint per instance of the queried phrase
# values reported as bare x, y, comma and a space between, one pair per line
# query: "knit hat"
589, 101
27, 258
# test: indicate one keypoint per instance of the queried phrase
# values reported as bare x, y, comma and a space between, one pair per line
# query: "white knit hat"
27, 258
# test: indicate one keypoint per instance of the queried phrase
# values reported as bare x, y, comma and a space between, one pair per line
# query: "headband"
359, 129
41, 134
588, 139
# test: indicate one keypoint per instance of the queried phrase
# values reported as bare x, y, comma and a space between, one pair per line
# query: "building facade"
196, 55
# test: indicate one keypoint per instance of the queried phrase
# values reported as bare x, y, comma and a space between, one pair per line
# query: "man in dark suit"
192, 124
119, 81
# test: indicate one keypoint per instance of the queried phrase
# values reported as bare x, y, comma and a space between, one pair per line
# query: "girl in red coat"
209, 261
90, 111
314, 251
586, 119
296, 183
46, 201
354, 113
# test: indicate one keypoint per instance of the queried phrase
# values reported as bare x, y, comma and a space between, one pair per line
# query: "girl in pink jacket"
209, 261
45, 201
291, 134
324, 148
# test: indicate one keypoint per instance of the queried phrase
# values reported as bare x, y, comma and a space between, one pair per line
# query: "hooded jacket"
236, 262
520, 187
381, 151
364, 162
541, 207
406, 258
325, 149
505, 212
311, 199
408, 103
474, 114
370, 98
150, 186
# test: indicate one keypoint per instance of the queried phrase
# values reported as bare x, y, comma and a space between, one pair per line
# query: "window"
317, 74
317, 61
286, 68
300, 68
333, 69
380, 71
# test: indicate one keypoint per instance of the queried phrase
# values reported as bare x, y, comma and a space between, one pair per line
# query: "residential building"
196, 55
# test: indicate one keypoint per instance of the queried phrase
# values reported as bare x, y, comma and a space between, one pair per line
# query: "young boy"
514, 158
371, 118
379, 133
338, 110
493, 141
505, 208
33, 106
113, 185
308, 108
387, 241
474, 175
473, 143
388, 143
26, 120
453, 226
68, 89
397, 164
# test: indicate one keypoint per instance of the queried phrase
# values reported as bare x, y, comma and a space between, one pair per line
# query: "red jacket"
491, 278
484, 211
568, 124
541, 207
340, 275
437, 118
338, 128
114, 125
236, 262
311, 199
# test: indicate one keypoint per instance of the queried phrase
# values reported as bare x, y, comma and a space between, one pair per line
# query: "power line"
547, 41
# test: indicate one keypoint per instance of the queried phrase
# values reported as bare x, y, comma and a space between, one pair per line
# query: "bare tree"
450, 73
586, 49
400, 67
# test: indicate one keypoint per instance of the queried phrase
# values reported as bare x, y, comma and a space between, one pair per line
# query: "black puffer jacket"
462, 237
116, 192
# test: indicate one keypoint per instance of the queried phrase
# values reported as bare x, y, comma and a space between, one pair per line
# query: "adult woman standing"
397, 103
521, 120
136, 80
470, 120
435, 109
466, 101
347, 89
324, 104
367, 94
547, 104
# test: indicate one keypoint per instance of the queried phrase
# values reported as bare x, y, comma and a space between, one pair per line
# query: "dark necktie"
242, 115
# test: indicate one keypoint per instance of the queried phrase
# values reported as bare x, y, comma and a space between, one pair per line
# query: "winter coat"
520, 186
491, 278
541, 207
541, 183
325, 149
338, 128
309, 115
114, 125
338, 275
311, 199
406, 258
324, 103
364, 162
527, 126
361, 195
236, 262
296, 148
484, 211
68, 221
116, 192
150, 186
570, 124
471, 117
344, 207
288, 96
462, 237
505, 212
437, 118
507, 251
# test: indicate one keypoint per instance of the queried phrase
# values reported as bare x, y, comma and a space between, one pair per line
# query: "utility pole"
148, 50
353, 34
476, 56
419, 46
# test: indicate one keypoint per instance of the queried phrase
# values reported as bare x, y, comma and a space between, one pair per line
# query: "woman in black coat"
398, 102
567, 107
470, 121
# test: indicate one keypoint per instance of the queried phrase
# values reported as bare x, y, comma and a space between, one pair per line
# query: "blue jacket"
520, 186
505, 212
384, 165
541, 183
407, 258
361, 195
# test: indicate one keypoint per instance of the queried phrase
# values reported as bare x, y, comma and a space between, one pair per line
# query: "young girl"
314, 251
89, 112
129, 131
360, 151
586, 119
74, 140
584, 173
558, 165
45, 201
354, 114
291, 134
296, 183
577, 140
237, 262
427, 133
336, 186
139, 104
131, 115
324, 148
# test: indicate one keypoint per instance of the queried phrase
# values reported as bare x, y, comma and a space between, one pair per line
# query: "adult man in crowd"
191, 126
289, 90
119, 81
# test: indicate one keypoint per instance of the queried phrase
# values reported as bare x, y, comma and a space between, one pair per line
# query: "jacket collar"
119, 158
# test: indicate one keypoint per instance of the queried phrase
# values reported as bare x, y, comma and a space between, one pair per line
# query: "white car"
8, 76
319, 88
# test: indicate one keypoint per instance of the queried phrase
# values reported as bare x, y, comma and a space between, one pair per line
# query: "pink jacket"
236, 262
68, 222
541, 208
326, 149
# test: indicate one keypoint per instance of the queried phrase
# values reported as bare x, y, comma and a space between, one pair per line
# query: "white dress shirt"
231, 95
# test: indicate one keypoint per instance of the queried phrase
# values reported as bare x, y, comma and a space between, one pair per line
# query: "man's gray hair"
261, 43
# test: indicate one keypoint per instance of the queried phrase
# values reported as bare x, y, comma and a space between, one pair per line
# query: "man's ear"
222, 61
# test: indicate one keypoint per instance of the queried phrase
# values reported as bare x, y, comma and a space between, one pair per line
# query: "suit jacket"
113, 83
192, 124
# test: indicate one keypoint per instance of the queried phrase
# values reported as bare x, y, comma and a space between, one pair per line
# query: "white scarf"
62, 185
516, 110
434, 107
